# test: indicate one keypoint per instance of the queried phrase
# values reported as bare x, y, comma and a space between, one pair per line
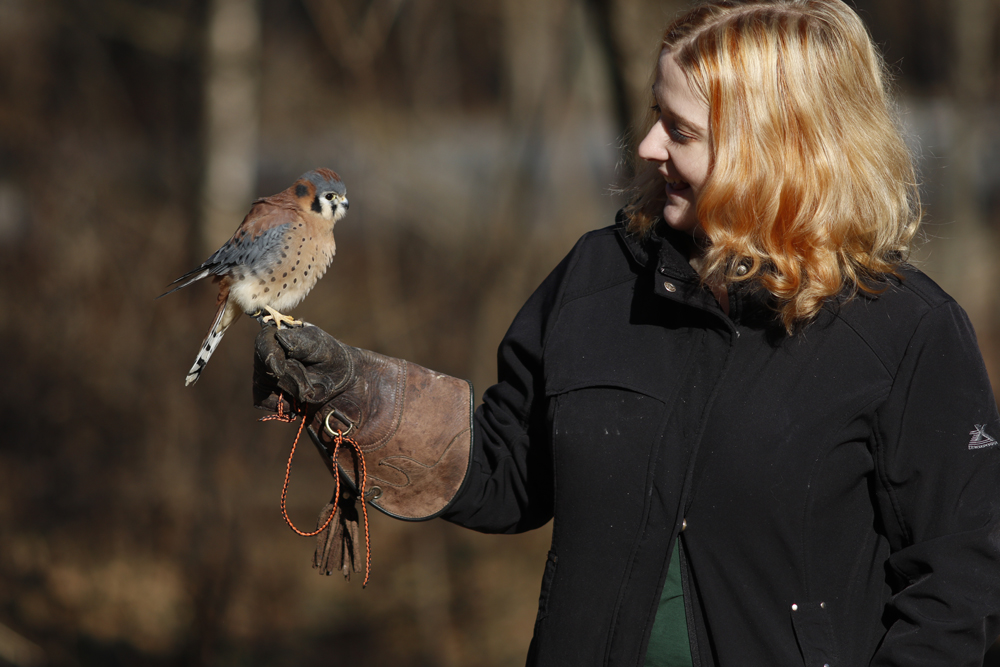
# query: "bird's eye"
329, 197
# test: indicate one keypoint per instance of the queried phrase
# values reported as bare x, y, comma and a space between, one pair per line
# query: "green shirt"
668, 643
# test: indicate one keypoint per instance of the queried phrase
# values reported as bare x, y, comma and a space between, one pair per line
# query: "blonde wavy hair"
811, 187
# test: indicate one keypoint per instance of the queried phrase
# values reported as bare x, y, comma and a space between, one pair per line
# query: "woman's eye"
678, 136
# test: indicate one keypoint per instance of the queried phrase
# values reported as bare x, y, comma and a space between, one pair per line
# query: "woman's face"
678, 144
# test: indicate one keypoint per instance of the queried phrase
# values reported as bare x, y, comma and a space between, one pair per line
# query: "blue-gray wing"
247, 253
256, 244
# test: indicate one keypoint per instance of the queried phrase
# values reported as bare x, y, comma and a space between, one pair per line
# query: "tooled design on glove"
424, 467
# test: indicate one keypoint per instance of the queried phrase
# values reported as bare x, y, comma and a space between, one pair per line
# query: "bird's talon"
278, 319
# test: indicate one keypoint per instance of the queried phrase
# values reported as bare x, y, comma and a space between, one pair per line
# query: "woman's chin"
682, 220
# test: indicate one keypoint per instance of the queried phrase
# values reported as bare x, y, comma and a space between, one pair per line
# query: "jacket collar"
664, 250
664, 254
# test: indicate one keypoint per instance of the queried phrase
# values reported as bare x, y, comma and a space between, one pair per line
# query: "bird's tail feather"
188, 278
223, 318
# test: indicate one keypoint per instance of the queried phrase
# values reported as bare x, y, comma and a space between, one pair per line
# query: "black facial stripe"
301, 190
316, 207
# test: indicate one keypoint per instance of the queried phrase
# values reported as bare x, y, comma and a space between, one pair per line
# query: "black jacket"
836, 491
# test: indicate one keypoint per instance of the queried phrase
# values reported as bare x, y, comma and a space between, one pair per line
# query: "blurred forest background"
139, 519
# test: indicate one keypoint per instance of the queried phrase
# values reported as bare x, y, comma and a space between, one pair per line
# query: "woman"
764, 439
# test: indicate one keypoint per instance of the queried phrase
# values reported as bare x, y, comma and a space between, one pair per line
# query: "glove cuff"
416, 458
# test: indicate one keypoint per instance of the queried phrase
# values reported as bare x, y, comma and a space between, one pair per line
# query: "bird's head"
322, 192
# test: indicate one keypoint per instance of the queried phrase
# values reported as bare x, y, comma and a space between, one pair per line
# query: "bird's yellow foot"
278, 318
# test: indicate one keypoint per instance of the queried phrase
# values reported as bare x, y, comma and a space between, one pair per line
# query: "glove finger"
275, 373
270, 401
310, 345
322, 388
269, 362
267, 352
294, 380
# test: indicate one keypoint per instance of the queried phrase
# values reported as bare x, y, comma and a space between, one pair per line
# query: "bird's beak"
346, 204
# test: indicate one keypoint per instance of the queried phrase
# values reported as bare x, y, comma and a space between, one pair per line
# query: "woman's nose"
653, 147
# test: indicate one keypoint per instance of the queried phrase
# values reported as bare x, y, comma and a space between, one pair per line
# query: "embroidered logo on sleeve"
980, 438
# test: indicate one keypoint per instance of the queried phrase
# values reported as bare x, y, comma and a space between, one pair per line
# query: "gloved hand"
413, 426
304, 363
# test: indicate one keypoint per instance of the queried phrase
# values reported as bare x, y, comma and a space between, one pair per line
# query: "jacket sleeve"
509, 486
938, 461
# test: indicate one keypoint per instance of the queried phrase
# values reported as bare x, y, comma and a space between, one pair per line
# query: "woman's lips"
675, 186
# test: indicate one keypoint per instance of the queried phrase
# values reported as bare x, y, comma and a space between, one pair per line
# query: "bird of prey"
277, 254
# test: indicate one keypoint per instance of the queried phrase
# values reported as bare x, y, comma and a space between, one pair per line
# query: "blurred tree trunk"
232, 117
968, 261
18, 651
357, 38
603, 13
636, 28
535, 47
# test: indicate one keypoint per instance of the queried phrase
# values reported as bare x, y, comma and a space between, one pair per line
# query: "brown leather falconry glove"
413, 426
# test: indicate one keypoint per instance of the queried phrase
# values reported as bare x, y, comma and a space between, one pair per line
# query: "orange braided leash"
356, 449
338, 440
284, 489
282, 416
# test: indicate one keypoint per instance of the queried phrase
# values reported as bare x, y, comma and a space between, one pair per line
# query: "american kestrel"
282, 247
